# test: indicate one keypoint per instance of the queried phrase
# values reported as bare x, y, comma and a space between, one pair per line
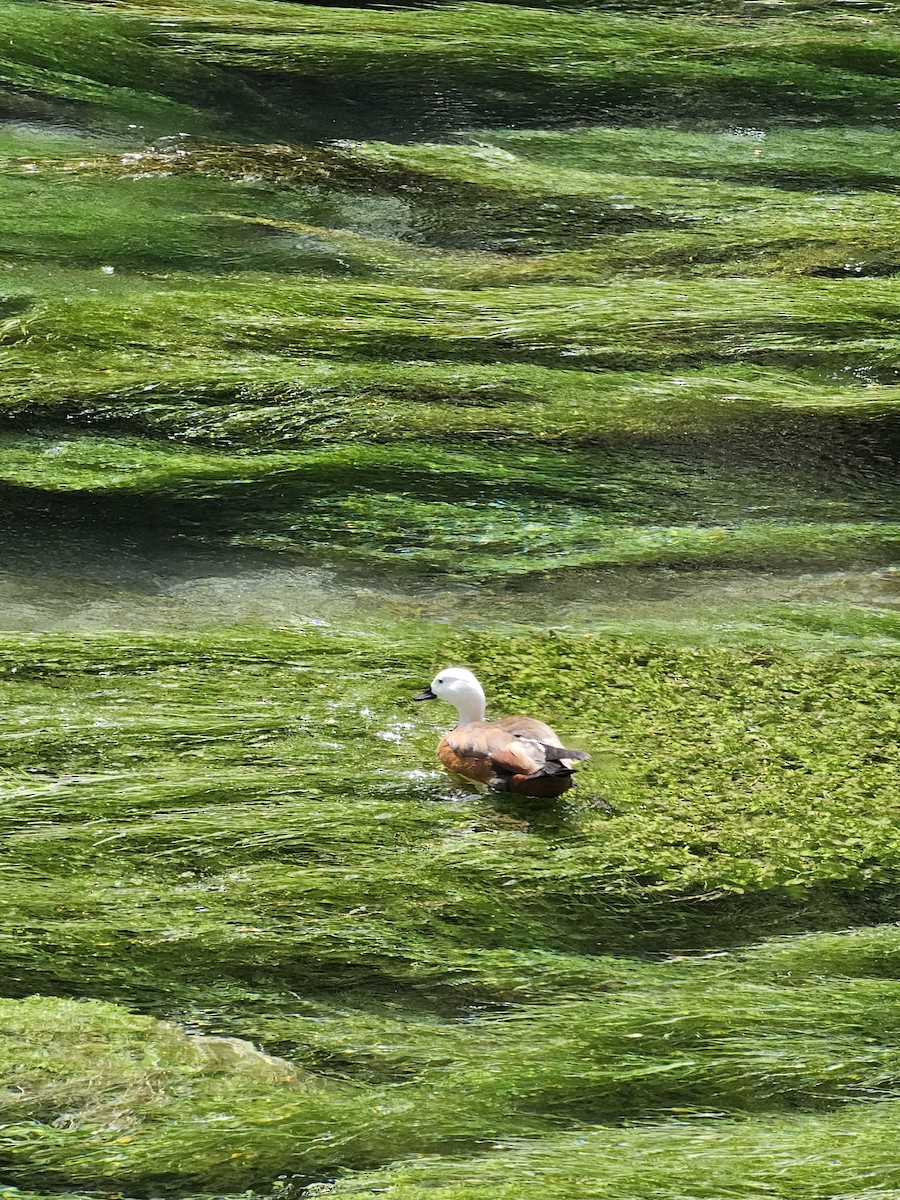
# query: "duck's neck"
470, 708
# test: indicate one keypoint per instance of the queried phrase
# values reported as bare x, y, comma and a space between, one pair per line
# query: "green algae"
438, 975
551, 315
686, 1157
828, 157
94, 224
497, 514
494, 62
65, 63
113, 333
584, 221
256, 330
248, 703
648, 324
577, 200
125, 1091
563, 197
180, 807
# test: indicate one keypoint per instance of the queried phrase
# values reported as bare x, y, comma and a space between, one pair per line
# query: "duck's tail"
551, 770
558, 753
557, 767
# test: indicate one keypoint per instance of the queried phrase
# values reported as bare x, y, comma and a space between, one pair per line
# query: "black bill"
428, 694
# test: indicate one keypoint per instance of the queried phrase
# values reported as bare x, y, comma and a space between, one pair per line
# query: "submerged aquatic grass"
426, 956
81, 65
498, 62
511, 315
684, 1157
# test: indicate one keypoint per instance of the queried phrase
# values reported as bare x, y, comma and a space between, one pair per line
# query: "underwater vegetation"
196, 830
559, 341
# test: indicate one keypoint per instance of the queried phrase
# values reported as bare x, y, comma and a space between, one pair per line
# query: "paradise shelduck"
514, 754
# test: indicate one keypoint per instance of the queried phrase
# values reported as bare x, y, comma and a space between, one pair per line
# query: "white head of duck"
460, 688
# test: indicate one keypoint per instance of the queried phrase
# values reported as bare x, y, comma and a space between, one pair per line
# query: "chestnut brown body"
514, 754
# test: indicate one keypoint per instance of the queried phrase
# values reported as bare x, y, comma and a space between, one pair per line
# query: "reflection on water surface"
80, 583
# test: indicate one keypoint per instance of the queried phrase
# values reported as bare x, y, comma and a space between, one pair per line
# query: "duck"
515, 754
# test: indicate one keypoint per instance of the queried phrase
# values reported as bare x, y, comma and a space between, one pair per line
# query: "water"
70, 580
340, 344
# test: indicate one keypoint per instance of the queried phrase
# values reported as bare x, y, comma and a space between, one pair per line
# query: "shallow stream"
341, 343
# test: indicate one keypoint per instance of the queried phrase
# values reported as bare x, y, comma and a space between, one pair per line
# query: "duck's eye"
440, 681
